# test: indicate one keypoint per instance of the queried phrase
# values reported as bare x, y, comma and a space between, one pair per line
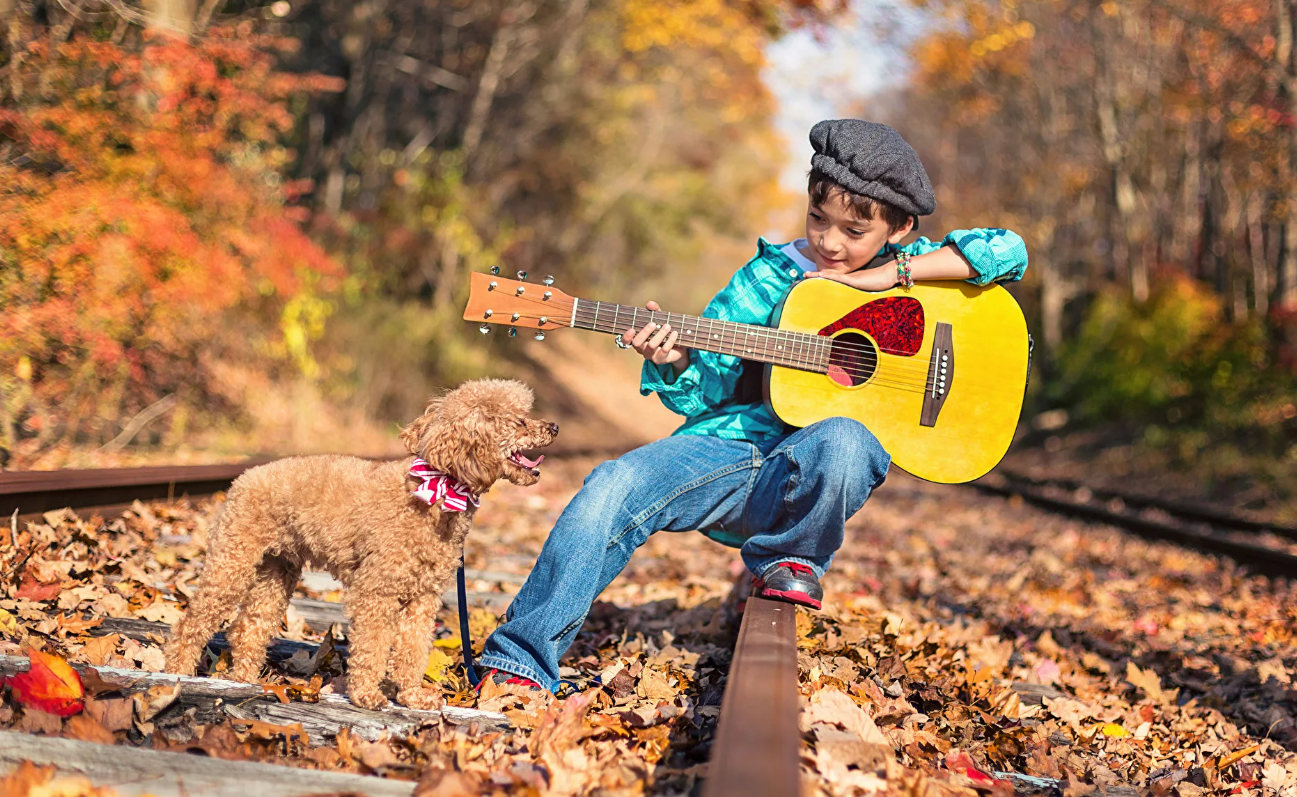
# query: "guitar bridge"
941, 375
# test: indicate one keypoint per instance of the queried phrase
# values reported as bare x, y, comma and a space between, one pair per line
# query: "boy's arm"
990, 254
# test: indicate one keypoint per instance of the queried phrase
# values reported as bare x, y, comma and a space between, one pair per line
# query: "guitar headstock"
493, 299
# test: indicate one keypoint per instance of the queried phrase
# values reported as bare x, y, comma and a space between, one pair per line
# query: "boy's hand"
866, 279
657, 344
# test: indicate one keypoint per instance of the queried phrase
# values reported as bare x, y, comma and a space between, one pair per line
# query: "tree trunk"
1127, 254
1285, 61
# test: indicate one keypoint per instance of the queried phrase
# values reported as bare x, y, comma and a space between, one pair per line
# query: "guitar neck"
748, 341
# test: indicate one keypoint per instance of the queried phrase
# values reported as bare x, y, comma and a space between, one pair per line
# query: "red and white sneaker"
790, 582
500, 677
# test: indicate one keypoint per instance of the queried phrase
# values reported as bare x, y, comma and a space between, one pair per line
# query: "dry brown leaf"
87, 729
98, 649
115, 713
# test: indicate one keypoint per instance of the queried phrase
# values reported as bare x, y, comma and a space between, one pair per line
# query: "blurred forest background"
234, 227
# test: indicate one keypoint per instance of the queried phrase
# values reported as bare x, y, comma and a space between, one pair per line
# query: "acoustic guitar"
937, 372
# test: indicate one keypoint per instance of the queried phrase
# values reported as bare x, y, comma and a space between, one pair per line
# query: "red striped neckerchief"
436, 486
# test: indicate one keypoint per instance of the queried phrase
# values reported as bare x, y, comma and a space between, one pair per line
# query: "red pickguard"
895, 322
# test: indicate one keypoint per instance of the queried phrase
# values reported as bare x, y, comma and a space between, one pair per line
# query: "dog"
389, 531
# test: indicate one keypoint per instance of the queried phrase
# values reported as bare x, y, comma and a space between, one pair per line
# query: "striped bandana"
436, 486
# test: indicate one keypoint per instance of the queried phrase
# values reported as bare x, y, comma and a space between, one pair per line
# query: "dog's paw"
420, 698
371, 699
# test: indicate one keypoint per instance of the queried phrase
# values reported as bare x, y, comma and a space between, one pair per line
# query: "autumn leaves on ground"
964, 637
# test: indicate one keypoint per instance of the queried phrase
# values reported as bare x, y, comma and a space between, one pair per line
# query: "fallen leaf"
86, 729
834, 707
34, 720
98, 649
1146, 680
1225, 761
1114, 730
378, 756
438, 663
653, 686
49, 685
114, 713
152, 701
33, 590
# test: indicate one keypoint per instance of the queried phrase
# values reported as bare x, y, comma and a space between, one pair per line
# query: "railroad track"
755, 751
1196, 526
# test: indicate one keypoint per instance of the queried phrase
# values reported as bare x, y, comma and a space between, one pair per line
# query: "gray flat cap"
873, 160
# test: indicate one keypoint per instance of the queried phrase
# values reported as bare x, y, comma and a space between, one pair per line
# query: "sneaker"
790, 582
500, 678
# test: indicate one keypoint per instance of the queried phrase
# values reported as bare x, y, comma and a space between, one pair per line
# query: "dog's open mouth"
521, 460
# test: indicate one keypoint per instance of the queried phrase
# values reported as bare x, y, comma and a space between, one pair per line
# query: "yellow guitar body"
982, 399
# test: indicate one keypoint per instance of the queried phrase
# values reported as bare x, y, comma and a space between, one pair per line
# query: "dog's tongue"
527, 462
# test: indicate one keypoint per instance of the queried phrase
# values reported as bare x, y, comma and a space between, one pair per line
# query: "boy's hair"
820, 186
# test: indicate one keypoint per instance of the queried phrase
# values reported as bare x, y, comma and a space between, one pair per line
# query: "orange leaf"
51, 685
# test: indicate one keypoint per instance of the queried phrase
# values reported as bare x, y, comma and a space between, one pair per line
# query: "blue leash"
462, 591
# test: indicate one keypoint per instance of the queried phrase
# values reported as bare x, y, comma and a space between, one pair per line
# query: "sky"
816, 77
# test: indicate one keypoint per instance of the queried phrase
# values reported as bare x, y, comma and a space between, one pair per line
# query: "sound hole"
852, 359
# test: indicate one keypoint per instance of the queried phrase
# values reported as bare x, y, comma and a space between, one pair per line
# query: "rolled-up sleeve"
997, 255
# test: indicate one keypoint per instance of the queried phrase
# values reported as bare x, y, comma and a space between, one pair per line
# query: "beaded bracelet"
903, 274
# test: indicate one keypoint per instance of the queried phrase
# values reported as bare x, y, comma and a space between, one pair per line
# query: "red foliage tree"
140, 202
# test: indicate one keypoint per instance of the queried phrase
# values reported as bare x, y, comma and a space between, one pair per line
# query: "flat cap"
873, 160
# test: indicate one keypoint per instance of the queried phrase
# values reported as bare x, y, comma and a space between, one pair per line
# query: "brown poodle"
362, 522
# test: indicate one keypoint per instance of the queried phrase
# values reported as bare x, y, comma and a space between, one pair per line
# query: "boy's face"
840, 240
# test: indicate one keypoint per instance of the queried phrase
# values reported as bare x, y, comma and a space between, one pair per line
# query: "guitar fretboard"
748, 341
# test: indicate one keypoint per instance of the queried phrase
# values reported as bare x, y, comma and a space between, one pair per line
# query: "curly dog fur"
357, 519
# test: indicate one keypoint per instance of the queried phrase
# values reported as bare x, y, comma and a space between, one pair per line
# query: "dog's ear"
467, 446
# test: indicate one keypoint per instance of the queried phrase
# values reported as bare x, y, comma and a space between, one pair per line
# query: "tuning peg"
493, 285
520, 290
495, 270
522, 275
540, 336
488, 313
547, 295
516, 316
513, 332
548, 281
485, 328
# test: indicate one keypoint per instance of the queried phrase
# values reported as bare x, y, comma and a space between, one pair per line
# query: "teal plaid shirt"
704, 392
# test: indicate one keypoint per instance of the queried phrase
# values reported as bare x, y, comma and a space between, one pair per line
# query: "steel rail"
755, 752
113, 489
1190, 511
107, 489
1258, 558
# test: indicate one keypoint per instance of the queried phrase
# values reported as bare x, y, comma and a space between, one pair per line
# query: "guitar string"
768, 332
882, 375
772, 335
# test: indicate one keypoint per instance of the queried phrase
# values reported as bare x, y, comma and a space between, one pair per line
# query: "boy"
733, 470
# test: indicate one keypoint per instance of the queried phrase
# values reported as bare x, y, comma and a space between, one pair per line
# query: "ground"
963, 636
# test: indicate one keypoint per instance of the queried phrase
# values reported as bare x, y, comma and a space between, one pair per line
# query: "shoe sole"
790, 596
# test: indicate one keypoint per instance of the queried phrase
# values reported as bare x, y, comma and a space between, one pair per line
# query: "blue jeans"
786, 500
